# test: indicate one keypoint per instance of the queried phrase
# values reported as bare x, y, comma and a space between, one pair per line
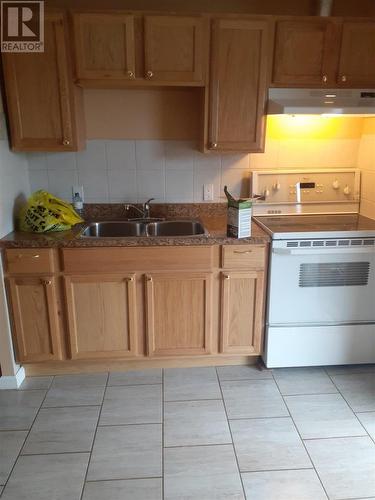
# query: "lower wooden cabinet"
34, 309
242, 312
101, 313
179, 313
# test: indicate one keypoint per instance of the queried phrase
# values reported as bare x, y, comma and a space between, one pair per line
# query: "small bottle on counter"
78, 204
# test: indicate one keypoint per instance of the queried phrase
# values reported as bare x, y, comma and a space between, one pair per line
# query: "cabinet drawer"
29, 260
243, 256
117, 259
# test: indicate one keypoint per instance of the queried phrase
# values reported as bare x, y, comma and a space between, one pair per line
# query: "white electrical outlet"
78, 189
208, 192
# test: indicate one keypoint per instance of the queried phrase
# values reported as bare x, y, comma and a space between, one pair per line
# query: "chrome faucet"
144, 212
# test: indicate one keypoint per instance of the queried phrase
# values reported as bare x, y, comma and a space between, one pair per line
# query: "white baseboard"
13, 381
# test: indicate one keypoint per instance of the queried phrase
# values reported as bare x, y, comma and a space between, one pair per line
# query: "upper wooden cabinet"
122, 49
44, 109
357, 54
104, 46
174, 48
239, 61
324, 53
303, 52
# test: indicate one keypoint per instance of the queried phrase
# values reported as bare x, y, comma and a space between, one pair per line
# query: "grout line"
93, 440
303, 444
191, 400
346, 401
334, 437
275, 470
126, 425
23, 444
230, 432
55, 453
134, 385
122, 479
257, 418
309, 394
229, 443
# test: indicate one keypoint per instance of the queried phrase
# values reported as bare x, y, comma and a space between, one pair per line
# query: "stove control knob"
336, 184
276, 186
347, 190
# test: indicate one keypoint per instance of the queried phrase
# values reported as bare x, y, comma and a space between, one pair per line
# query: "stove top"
317, 226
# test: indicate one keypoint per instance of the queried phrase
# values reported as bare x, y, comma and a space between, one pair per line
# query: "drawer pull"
47, 282
23, 256
243, 252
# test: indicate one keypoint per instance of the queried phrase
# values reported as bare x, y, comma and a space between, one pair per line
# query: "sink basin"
119, 229
176, 228
114, 228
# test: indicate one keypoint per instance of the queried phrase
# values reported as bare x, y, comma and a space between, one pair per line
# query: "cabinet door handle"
130, 74
148, 278
324, 78
343, 78
242, 252
149, 74
66, 142
130, 278
47, 282
22, 256
226, 277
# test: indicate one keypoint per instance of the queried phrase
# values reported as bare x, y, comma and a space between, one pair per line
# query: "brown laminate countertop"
213, 217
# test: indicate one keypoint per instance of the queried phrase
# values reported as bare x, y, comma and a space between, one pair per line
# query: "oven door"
315, 286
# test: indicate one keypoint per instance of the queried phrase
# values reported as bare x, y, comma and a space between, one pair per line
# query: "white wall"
14, 188
366, 162
174, 171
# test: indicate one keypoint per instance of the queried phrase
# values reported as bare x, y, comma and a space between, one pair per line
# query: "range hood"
321, 102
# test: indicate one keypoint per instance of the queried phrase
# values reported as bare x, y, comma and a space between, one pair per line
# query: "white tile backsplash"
174, 171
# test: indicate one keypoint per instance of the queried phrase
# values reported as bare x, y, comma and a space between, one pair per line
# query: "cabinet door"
174, 49
35, 318
101, 316
239, 55
305, 53
357, 56
242, 312
43, 108
179, 313
104, 46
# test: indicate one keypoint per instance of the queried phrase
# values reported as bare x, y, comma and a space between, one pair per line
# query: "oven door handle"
323, 251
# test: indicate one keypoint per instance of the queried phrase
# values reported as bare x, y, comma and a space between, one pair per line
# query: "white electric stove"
321, 289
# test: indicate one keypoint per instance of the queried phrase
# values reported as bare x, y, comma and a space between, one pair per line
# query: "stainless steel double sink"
143, 227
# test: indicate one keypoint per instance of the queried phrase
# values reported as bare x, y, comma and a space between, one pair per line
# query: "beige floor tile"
346, 466
350, 369
283, 485
358, 390
368, 421
123, 452
242, 373
195, 423
184, 384
61, 430
268, 444
47, 477
303, 381
201, 472
74, 396
131, 489
80, 380
136, 377
10, 445
32, 383
323, 416
136, 404
253, 399
19, 408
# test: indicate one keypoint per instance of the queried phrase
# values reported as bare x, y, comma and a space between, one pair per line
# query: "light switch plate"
208, 192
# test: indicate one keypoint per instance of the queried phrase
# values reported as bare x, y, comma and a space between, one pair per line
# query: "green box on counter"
238, 217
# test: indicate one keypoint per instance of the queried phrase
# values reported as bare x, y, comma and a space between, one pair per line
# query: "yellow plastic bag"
46, 213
